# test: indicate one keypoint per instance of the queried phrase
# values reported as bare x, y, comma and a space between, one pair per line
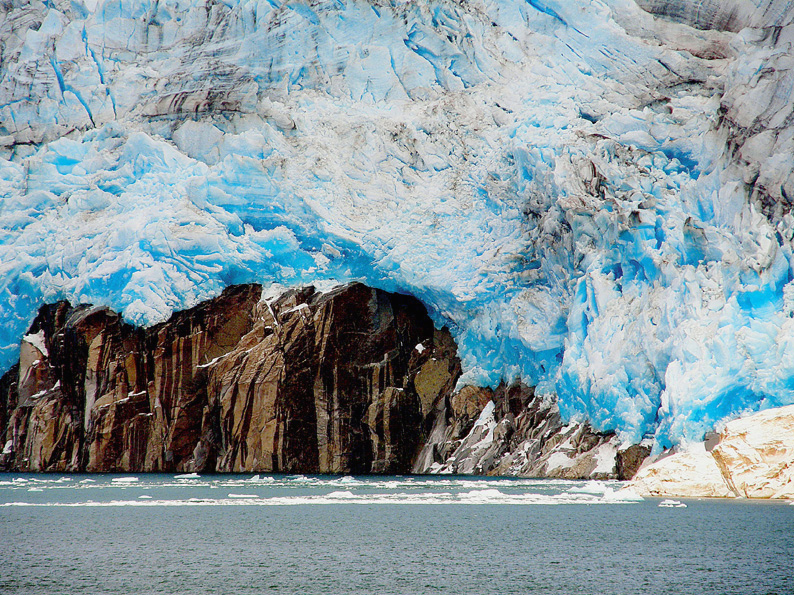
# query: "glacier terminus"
594, 197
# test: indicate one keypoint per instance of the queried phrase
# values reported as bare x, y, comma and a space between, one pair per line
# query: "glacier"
593, 196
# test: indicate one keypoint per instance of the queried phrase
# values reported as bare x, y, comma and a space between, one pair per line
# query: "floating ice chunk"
671, 504
242, 495
188, 476
124, 480
596, 488
341, 495
625, 494
490, 493
144, 497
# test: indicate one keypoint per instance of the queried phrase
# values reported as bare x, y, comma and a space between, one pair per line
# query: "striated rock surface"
96, 394
338, 382
753, 458
326, 383
756, 454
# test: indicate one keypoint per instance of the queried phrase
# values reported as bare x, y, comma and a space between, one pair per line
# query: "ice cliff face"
593, 198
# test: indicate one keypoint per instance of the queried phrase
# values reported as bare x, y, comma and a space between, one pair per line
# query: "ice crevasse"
594, 196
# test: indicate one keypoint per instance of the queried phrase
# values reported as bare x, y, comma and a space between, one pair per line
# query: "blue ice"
488, 159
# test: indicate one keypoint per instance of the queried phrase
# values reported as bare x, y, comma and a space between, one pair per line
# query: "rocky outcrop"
338, 382
329, 383
752, 457
96, 394
355, 380
511, 431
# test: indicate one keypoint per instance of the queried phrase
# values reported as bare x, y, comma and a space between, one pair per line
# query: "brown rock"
469, 401
630, 459
320, 384
54, 436
308, 382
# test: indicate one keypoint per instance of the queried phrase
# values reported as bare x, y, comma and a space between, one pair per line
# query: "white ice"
553, 180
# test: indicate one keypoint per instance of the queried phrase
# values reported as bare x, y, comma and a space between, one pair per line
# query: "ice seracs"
596, 200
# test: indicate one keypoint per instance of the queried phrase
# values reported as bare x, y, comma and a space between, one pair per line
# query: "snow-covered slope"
593, 198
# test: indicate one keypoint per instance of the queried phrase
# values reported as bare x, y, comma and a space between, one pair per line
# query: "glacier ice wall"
593, 198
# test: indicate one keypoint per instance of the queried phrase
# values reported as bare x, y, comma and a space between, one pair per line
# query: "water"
293, 534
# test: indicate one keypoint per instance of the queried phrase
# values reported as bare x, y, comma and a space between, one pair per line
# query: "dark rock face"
308, 382
96, 394
355, 380
328, 383
630, 459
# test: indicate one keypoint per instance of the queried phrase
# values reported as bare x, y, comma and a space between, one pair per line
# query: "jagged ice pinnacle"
594, 199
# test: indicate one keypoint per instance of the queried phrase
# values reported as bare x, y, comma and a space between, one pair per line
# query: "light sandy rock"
753, 459
691, 474
756, 454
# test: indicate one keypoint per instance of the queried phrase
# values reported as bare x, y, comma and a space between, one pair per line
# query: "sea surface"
238, 534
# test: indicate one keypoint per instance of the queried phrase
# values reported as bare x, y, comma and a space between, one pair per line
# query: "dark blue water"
223, 534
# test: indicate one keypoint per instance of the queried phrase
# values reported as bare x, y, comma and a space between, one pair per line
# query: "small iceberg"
144, 497
188, 476
242, 496
594, 488
341, 494
124, 480
671, 504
